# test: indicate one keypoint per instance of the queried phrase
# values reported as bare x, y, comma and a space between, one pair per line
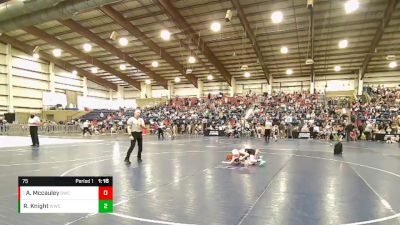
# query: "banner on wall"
52, 99
339, 85
98, 103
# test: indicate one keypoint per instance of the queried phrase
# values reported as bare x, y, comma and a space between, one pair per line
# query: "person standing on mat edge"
135, 127
349, 128
33, 123
268, 127
86, 125
160, 130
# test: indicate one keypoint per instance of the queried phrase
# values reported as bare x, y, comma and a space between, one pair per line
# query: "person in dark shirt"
349, 127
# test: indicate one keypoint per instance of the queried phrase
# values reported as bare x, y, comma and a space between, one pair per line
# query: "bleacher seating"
95, 114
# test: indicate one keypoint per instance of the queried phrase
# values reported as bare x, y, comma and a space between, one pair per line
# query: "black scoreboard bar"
64, 181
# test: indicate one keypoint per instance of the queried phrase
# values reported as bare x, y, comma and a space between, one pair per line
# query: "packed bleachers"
290, 114
243, 115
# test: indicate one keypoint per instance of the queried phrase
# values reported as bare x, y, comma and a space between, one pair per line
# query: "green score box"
105, 206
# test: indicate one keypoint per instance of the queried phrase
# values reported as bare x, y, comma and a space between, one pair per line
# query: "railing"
23, 129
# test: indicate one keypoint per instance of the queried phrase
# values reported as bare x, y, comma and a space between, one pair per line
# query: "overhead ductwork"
17, 8
63, 10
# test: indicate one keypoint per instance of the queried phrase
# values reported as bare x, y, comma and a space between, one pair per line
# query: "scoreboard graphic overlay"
65, 194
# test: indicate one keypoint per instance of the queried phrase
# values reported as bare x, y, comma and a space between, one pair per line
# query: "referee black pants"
33, 130
86, 129
160, 133
267, 135
137, 136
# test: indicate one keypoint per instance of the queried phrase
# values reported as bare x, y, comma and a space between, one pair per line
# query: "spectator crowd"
281, 115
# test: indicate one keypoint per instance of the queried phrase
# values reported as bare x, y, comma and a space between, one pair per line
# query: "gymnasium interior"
199, 112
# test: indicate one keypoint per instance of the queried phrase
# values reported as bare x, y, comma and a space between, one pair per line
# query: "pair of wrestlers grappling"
244, 157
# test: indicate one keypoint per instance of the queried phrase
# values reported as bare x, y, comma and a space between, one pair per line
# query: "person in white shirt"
135, 128
33, 123
289, 119
86, 127
368, 130
268, 127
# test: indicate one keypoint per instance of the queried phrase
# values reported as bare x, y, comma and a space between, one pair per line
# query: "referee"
33, 123
268, 127
135, 127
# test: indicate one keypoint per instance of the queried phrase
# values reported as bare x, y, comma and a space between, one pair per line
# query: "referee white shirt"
268, 125
35, 121
136, 124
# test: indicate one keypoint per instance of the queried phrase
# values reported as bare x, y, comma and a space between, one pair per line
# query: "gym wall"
3, 80
30, 78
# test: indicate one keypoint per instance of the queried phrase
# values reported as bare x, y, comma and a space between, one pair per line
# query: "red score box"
105, 193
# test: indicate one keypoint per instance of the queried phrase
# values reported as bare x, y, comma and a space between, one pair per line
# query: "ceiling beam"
127, 25
184, 26
195, 55
390, 9
60, 63
75, 52
64, 9
76, 27
252, 37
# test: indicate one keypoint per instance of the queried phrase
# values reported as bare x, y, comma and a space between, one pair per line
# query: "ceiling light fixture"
35, 50
215, 26
284, 50
122, 67
289, 71
165, 35
277, 17
74, 72
177, 79
35, 55
57, 52
87, 47
154, 64
94, 70
228, 16
343, 43
191, 59
391, 57
113, 36
337, 68
393, 64
148, 81
247, 74
123, 41
351, 6
210, 77
309, 61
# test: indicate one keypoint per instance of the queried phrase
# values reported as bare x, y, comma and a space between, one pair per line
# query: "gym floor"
184, 182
